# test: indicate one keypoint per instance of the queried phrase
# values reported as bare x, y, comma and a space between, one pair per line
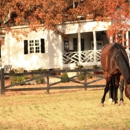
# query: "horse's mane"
122, 62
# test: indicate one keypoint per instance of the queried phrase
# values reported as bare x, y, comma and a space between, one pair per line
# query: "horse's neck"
123, 65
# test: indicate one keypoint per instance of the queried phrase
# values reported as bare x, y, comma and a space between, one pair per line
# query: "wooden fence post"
85, 80
2, 82
48, 86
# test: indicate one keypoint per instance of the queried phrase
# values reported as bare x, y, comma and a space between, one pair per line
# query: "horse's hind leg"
121, 91
110, 93
115, 94
105, 92
115, 84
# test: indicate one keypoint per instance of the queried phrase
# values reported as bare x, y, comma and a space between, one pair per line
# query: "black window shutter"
42, 46
25, 46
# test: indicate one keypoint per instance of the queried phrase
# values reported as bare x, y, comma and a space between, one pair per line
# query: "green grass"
69, 110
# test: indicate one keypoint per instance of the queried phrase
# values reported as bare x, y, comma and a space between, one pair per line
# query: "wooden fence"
48, 75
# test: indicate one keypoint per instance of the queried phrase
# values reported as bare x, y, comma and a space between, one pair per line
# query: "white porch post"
94, 45
79, 46
127, 43
111, 39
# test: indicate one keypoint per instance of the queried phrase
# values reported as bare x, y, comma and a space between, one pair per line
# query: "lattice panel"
98, 55
87, 56
70, 57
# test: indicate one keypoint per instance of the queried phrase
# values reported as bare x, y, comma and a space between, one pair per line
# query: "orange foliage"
49, 13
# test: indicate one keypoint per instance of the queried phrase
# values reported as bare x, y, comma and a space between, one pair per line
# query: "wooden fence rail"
48, 75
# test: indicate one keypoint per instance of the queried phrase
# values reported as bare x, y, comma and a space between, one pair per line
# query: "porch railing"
89, 56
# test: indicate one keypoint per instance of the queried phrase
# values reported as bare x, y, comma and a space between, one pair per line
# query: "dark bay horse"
115, 63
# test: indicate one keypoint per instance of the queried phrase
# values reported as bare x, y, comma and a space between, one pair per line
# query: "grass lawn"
66, 110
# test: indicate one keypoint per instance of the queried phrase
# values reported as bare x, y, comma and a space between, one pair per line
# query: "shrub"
64, 77
80, 76
78, 66
17, 79
39, 80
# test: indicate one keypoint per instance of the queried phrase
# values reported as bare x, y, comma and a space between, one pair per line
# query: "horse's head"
127, 89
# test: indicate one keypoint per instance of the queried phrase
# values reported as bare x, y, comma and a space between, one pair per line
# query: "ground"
64, 110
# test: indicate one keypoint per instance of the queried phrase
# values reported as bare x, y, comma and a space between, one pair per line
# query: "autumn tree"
50, 13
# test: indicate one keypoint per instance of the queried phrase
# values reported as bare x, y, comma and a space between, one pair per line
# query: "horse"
115, 63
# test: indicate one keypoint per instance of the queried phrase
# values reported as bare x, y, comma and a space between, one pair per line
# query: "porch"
85, 58
85, 47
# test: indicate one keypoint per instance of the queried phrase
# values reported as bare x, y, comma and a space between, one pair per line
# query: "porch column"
127, 42
79, 46
94, 45
111, 39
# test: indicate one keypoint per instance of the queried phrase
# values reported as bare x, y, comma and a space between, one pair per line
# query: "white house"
47, 50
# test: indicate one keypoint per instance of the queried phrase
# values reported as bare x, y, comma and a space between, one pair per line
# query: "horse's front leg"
105, 92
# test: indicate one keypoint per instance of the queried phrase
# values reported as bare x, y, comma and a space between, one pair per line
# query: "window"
82, 44
75, 4
75, 44
66, 45
99, 45
34, 46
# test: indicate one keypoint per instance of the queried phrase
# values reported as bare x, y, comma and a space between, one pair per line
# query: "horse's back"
111, 49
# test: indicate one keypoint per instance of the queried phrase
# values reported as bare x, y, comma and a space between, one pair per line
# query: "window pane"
36, 44
31, 41
31, 49
31, 44
37, 50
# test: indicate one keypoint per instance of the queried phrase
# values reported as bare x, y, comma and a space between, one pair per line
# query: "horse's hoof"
116, 103
102, 104
122, 103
